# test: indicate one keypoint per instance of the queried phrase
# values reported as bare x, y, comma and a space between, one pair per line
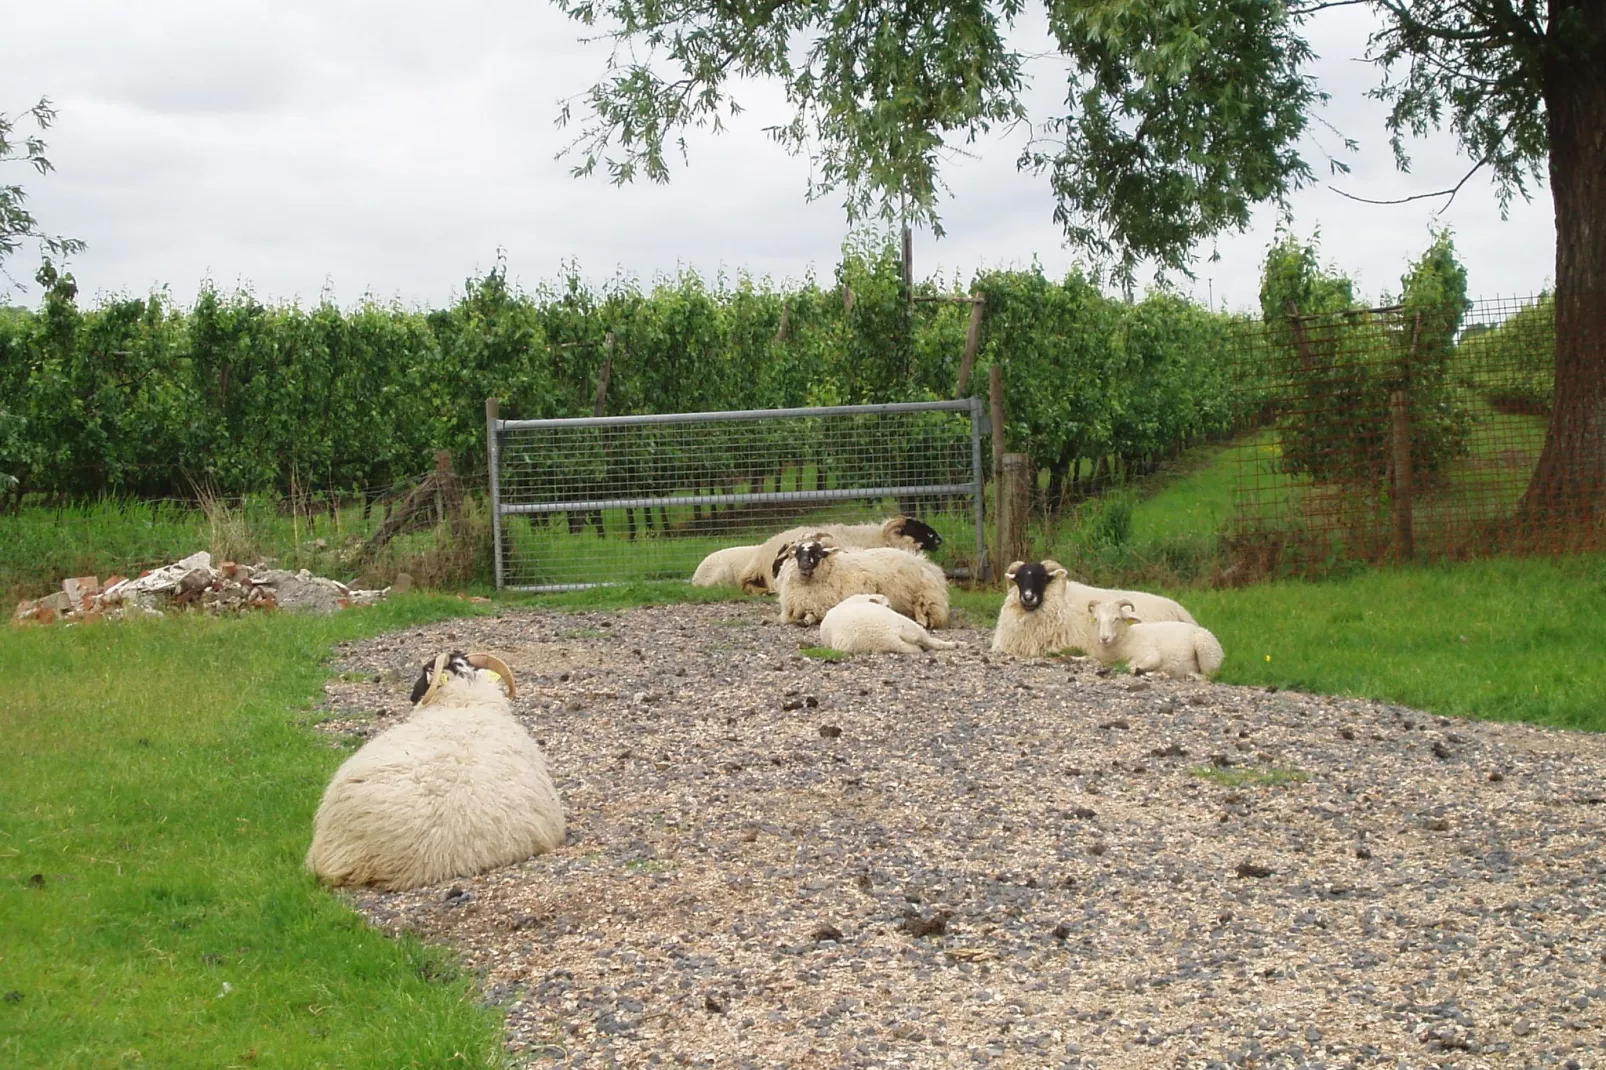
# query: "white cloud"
394, 148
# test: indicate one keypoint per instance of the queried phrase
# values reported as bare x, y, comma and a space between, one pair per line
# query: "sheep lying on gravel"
816, 576
898, 532
1045, 610
723, 568
867, 624
457, 789
1178, 649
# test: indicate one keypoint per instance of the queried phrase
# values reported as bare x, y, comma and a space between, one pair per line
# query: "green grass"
157, 801
822, 653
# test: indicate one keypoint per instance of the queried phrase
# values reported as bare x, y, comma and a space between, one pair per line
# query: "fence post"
1014, 503
978, 305
984, 567
1400, 420
493, 457
601, 404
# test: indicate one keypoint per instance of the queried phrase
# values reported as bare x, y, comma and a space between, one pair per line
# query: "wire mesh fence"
580, 502
1403, 433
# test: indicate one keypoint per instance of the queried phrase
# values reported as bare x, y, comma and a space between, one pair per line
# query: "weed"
1250, 778
822, 653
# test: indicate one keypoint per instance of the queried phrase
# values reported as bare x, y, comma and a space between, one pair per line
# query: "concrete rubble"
193, 583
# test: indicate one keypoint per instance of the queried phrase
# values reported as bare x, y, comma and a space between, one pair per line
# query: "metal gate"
617, 499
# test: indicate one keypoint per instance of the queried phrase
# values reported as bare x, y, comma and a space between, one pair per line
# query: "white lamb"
723, 568
815, 577
1045, 610
457, 789
867, 624
758, 575
1179, 650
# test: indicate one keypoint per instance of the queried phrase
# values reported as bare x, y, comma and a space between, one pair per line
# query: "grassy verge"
157, 802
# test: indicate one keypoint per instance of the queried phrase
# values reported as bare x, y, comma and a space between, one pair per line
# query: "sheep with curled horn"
457, 789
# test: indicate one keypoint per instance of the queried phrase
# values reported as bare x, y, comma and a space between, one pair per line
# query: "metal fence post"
493, 456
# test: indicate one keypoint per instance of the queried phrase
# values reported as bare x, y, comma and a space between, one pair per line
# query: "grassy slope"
164, 794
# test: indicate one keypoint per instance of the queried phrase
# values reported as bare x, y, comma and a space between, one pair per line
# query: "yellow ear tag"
495, 676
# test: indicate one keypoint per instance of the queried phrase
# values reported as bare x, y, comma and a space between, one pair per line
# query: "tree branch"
1450, 193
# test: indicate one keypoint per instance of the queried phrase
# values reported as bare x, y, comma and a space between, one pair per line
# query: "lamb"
867, 624
1178, 649
816, 576
457, 789
900, 532
1045, 610
723, 568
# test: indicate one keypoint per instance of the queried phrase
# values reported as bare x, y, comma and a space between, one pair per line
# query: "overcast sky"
391, 149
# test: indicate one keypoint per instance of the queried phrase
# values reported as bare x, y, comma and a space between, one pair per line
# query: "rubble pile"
194, 583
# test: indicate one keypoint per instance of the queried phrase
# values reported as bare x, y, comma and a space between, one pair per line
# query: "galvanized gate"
615, 499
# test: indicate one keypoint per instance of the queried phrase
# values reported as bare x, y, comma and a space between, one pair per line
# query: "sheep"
457, 789
1178, 649
867, 624
816, 576
723, 568
1045, 610
901, 532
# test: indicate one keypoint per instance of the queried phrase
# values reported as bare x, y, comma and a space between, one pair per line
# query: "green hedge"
141, 397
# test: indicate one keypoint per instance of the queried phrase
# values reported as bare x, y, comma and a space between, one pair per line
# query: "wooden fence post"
1014, 507
1400, 491
978, 305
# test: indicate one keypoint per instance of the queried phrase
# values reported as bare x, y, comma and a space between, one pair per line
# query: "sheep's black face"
924, 535
1031, 580
809, 555
456, 664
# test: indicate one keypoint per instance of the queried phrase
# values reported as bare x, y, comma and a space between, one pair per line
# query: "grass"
151, 892
822, 653
41, 545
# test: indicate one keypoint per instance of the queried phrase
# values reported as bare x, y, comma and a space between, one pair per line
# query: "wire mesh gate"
615, 499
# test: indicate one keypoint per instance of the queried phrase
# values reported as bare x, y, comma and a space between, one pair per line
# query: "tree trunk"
1569, 486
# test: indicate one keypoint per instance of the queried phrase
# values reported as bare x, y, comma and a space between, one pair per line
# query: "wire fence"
1402, 433
581, 502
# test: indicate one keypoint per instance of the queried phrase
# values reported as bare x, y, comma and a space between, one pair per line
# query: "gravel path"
959, 859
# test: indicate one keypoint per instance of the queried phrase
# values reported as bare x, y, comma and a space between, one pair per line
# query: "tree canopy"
1178, 118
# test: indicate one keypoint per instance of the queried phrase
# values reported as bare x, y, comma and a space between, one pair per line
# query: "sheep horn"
498, 666
435, 678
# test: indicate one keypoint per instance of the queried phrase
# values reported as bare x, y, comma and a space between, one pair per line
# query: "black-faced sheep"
457, 789
817, 576
897, 532
1045, 610
1178, 649
867, 624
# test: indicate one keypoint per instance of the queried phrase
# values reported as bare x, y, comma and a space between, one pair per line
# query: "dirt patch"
962, 859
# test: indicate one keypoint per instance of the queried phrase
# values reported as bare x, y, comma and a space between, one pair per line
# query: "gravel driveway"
960, 859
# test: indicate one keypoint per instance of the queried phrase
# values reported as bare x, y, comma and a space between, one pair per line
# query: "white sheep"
867, 624
1045, 610
758, 575
816, 576
457, 789
1178, 649
723, 568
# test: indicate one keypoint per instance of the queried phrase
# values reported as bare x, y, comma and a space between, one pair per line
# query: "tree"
16, 223
1179, 117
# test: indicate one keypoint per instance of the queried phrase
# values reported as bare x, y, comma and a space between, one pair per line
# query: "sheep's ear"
1009, 575
829, 550
435, 674
1092, 607
1058, 574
